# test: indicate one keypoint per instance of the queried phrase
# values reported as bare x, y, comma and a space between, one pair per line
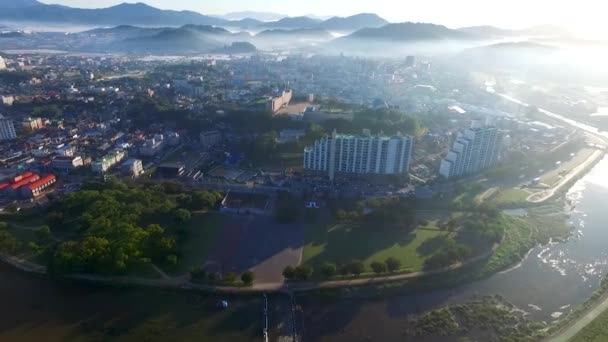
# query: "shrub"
392, 264
328, 270
378, 267
247, 278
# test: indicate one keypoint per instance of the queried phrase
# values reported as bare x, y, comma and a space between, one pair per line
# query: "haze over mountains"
140, 28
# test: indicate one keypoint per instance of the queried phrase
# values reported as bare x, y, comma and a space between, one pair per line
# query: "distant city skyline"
582, 15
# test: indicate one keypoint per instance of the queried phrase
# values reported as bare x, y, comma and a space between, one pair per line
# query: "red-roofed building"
22, 176
4, 186
15, 186
36, 188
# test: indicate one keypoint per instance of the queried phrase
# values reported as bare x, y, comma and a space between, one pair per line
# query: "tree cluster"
109, 219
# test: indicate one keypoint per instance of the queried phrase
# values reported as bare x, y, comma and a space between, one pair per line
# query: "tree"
392, 264
198, 274
8, 243
247, 278
378, 267
356, 267
43, 235
205, 200
172, 260
289, 272
344, 270
182, 215
314, 132
229, 278
328, 270
303, 272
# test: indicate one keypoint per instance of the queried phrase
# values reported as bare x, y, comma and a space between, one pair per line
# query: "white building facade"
360, 154
475, 149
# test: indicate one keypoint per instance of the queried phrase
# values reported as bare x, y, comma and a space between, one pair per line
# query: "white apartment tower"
475, 149
360, 154
2, 63
7, 128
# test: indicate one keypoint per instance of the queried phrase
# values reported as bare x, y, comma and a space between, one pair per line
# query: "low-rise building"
210, 139
37, 188
133, 167
32, 124
108, 161
152, 146
66, 163
279, 101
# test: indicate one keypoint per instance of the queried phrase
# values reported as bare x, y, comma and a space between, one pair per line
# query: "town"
304, 178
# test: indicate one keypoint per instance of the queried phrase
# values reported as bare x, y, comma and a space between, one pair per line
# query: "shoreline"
573, 176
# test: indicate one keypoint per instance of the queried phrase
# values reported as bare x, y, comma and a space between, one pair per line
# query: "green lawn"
596, 331
509, 197
342, 243
195, 239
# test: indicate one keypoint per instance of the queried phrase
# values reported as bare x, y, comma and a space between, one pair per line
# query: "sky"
580, 15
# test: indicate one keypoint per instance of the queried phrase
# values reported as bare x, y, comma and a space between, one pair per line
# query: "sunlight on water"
598, 177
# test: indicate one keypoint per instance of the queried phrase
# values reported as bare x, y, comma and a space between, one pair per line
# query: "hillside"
408, 32
353, 23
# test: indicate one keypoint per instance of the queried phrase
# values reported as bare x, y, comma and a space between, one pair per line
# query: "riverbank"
566, 182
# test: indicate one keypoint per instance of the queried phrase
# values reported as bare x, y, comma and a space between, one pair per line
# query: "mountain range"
33, 11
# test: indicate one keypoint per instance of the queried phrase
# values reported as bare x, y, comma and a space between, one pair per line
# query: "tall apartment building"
475, 149
2, 63
360, 154
7, 128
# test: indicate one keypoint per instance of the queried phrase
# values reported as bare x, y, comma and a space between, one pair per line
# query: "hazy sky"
581, 14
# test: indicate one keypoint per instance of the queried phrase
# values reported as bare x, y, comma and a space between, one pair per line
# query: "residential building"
32, 124
13, 189
279, 101
173, 139
7, 128
209, 139
152, 146
36, 188
2, 63
65, 150
133, 167
108, 161
475, 149
7, 100
360, 154
66, 163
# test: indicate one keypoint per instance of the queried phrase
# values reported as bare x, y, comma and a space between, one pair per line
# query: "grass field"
194, 240
596, 331
342, 243
509, 197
